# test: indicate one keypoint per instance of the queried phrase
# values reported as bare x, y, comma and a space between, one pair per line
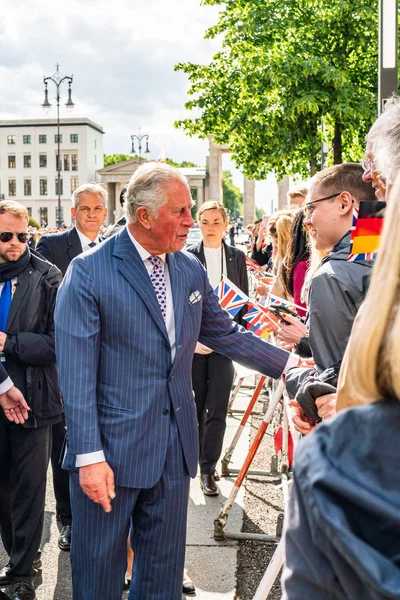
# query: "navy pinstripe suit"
127, 398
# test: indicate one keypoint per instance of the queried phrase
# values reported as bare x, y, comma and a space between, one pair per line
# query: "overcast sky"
122, 55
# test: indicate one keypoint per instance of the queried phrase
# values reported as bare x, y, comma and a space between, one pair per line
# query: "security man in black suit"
89, 211
28, 288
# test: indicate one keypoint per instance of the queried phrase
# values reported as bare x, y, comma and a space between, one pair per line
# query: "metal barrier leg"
220, 522
234, 393
228, 454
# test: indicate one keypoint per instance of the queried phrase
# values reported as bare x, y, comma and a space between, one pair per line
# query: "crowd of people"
116, 366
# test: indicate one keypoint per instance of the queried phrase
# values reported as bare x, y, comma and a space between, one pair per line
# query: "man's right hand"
302, 423
97, 481
14, 406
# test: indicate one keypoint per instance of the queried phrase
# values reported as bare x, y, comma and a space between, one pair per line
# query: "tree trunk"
337, 144
313, 164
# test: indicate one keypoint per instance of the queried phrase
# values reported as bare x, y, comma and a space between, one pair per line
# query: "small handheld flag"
366, 230
230, 297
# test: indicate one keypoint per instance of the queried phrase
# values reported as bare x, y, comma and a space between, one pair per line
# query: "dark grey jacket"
343, 527
337, 290
30, 345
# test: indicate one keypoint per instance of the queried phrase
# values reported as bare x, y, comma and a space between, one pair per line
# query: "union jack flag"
254, 268
276, 301
253, 317
230, 297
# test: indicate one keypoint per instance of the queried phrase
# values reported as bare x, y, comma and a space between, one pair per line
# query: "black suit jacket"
235, 269
60, 248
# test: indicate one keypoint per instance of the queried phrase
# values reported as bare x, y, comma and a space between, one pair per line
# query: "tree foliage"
232, 196
286, 65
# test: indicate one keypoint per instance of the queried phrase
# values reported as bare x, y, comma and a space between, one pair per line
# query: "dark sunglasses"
7, 236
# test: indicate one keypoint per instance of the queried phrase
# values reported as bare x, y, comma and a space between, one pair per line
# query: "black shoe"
23, 591
64, 541
208, 485
188, 585
127, 583
216, 476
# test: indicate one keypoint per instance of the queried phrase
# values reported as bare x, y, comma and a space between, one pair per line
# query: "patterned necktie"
157, 278
92, 244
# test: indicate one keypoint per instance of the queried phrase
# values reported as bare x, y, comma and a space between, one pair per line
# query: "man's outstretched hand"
14, 406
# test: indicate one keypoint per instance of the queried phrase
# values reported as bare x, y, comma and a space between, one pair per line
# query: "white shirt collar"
143, 253
84, 240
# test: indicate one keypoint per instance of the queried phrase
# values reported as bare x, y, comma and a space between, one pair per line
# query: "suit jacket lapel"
21, 289
177, 279
74, 244
132, 268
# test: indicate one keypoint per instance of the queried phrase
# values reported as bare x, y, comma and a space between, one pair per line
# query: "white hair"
384, 138
89, 188
147, 188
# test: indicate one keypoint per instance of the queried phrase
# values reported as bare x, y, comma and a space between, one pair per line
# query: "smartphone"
278, 310
278, 315
265, 220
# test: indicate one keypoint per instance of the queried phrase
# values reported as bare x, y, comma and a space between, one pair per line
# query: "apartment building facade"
29, 163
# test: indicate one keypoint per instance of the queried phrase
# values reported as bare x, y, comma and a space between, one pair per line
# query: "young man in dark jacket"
28, 288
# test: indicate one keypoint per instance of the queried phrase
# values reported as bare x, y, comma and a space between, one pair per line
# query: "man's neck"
144, 240
89, 234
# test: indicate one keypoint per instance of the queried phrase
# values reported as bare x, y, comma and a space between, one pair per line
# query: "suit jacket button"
168, 347
165, 411
171, 378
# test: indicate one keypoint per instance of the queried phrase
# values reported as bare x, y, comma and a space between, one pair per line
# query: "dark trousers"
158, 535
24, 458
212, 378
60, 476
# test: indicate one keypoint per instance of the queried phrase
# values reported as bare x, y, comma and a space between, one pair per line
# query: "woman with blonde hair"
343, 527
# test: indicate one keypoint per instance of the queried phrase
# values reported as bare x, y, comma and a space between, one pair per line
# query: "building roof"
50, 123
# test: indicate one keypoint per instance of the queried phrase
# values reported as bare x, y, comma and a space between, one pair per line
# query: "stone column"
249, 201
215, 172
283, 188
111, 203
200, 196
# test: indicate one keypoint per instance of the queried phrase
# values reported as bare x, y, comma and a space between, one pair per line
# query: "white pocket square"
194, 297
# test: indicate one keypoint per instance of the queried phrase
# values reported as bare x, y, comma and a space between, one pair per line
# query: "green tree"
283, 68
33, 223
260, 212
113, 159
232, 196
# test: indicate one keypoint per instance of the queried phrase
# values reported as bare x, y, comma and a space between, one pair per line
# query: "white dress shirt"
85, 241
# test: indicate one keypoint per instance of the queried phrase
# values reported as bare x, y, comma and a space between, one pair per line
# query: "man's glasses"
366, 163
7, 236
309, 207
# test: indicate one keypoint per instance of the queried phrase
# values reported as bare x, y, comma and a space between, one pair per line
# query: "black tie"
92, 244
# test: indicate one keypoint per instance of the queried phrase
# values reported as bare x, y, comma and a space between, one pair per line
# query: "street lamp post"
57, 78
139, 139
388, 51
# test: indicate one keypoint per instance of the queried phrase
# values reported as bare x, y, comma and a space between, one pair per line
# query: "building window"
58, 163
58, 138
43, 216
43, 187
27, 187
12, 163
61, 186
12, 187
74, 162
95, 159
73, 138
11, 139
42, 139
66, 162
26, 139
29, 209
27, 161
95, 144
42, 160
74, 184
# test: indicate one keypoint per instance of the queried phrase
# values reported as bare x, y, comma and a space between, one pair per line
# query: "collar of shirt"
85, 241
143, 253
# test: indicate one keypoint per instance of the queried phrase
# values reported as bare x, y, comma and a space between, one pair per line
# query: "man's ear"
144, 217
346, 203
73, 212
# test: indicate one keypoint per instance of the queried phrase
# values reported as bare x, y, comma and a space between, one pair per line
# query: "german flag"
366, 230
